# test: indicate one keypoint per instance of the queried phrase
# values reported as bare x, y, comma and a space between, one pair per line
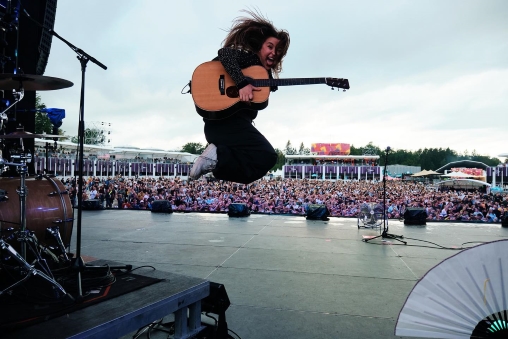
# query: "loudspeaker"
415, 216
317, 212
217, 302
238, 210
92, 204
504, 219
161, 206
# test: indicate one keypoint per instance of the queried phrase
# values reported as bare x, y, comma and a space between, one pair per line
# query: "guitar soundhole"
232, 92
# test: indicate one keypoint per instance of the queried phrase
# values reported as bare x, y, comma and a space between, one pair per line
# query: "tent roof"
424, 173
463, 163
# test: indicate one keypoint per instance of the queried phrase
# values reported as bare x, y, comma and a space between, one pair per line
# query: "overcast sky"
422, 73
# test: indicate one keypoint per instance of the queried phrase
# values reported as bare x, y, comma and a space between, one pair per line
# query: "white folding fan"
465, 296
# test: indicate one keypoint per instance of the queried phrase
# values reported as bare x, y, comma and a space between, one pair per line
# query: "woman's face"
268, 52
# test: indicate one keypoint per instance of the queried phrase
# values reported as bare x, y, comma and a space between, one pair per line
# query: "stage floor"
286, 277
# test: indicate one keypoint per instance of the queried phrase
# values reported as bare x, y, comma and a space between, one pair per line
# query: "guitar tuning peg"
343, 90
332, 88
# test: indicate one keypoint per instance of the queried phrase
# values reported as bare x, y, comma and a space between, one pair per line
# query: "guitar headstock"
337, 83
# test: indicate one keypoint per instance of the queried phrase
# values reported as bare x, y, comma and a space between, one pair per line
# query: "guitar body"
216, 96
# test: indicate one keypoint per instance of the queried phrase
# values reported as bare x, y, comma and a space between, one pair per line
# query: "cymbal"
31, 82
28, 135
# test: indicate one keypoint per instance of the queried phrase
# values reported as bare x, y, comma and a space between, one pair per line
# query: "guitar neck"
287, 82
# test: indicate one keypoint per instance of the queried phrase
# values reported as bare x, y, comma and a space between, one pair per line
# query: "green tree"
42, 122
281, 160
289, 150
427, 158
193, 148
93, 136
303, 150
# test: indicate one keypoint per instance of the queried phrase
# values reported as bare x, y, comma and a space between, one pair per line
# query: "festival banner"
330, 149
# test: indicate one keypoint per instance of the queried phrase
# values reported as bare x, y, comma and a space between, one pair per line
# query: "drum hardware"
33, 245
18, 96
57, 193
3, 120
3, 195
54, 232
22, 192
29, 271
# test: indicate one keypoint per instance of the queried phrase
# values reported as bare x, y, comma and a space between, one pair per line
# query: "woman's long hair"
250, 34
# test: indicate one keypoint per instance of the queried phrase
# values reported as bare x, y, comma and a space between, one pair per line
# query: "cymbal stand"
18, 96
22, 192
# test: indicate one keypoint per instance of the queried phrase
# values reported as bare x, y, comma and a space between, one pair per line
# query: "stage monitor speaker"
504, 219
217, 302
161, 206
92, 204
238, 210
317, 212
415, 216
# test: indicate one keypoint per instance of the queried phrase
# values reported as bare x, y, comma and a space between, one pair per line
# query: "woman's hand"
246, 93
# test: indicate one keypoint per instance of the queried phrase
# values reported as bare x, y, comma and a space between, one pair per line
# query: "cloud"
462, 113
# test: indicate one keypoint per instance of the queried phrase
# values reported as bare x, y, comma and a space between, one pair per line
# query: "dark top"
234, 60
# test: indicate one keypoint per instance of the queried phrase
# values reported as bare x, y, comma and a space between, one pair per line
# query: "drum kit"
36, 231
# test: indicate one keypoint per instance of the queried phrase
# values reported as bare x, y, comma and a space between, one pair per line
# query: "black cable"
144, 329
437, 246
209, 316
159, 326
136, 268
230, 330
90, 279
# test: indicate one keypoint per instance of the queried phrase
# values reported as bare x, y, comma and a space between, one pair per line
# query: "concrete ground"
286, 277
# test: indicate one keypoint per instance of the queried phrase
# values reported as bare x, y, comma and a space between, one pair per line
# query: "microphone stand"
384, 234
83, 57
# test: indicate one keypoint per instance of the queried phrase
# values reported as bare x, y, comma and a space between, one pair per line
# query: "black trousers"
243, 153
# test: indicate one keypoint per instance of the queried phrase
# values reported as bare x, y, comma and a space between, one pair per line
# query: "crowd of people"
292, 196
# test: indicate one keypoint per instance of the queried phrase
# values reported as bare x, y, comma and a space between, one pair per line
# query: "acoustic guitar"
216, 96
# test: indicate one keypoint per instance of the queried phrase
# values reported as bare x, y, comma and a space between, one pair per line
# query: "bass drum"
47, 204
